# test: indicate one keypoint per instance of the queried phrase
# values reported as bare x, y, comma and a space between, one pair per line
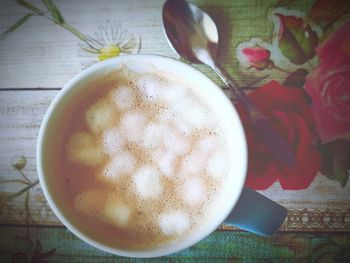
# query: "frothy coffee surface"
140, 160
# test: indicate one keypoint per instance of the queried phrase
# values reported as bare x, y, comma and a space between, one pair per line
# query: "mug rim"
155, 252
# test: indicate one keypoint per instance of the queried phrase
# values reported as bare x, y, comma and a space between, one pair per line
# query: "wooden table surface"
40, 56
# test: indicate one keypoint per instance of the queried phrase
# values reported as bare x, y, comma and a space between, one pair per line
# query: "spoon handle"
278, 146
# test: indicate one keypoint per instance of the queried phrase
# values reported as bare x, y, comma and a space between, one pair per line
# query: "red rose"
329, 86
256, 57
290, 114
253, 54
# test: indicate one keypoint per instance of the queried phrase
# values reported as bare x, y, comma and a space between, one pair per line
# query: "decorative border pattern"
317, 220
309, 220
313, 220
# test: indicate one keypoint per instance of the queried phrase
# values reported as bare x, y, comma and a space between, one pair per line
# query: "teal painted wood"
48, 244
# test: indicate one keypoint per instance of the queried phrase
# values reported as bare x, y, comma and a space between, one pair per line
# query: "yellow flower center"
109, 51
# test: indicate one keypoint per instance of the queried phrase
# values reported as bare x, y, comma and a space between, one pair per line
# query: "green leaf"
336, 164
325, 252
284, 3
19, 162
55, 12
30, 7
16, 25
347, 137
23, 243
296, 78
296, 39
340, 171
325, 12
38, 247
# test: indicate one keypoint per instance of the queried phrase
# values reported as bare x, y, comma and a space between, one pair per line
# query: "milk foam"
82, 148
154, 135
207, 145
155, 153
166, 163
174, 222
124, 98
116, 212
99, 116
149, 88
193, 190
217, 164
122, 163
147, 182
176, 143
193, 163
191, 112
113, 141
173, 93
131, 124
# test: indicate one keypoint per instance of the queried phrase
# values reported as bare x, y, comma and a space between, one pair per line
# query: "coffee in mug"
139, 159
142, 156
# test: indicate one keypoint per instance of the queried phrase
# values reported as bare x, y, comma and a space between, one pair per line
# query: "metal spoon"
194, 36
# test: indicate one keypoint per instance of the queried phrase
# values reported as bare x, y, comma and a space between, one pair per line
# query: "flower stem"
281, 69
73, 31
24, 176
26, 208
45, 15
14, 181
312, 67
23, 190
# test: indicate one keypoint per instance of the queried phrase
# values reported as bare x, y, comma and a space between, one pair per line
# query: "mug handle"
256, 213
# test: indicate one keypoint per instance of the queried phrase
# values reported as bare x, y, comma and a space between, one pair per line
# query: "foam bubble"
121, 164
207, 144
113, 141
81, 140
153, 135
191, 112
131, 124
183, 127
217, 164
116, 213
173, 93
174, 222
90, 156
166, 163
147, 182
196, 115
99, 116
193, 163
150, 87
193, 190
165, 116
89, 202
81, 149
156, 154
124, 98
176, 143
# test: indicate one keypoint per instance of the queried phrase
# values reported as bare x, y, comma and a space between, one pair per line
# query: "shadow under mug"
243, 207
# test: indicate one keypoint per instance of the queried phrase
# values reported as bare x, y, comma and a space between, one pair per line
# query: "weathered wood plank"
21, 113
42, 54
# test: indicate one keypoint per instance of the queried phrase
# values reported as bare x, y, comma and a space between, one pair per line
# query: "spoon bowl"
193, 35
194, 30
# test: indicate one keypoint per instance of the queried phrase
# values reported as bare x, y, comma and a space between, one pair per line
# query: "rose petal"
335, 42
261, 181
291, 115
304, 172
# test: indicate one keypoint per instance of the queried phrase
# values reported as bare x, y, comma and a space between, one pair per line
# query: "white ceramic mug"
242, 207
